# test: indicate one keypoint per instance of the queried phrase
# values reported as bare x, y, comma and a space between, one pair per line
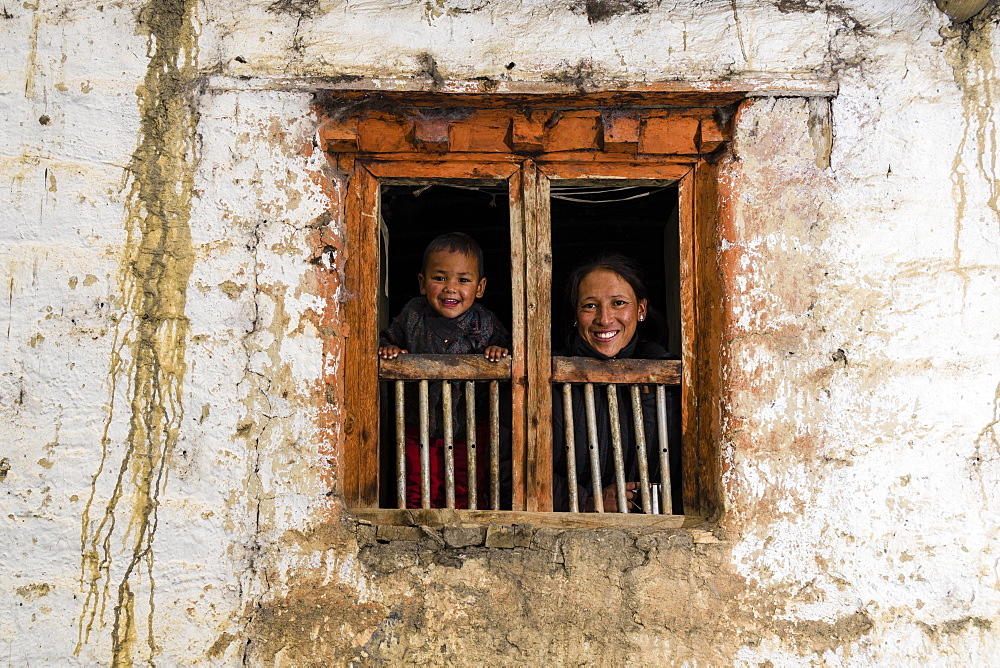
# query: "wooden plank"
538, 293
520, 199
439, 518
385, 133
361, 432
614, 171
668, 134
575, 131
710, 215
690, 342
483, 131
529, 130
621, 132
612, 158
421, 171
339, 136
587, 370
710, 135
443, 367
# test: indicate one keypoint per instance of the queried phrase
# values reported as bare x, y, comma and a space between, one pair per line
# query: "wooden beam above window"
537, 132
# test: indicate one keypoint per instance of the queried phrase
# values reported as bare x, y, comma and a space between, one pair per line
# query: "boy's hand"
390, 352
496, 353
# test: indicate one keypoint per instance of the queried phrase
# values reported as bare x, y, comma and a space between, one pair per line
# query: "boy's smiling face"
451, 282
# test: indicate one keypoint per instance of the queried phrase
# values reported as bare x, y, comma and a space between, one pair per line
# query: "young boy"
445, 320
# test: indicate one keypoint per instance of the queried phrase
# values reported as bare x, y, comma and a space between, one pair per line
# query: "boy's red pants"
437, 468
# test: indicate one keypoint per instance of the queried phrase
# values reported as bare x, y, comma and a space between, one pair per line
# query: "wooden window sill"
440, 518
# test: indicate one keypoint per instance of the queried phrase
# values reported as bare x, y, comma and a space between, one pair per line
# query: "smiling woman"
608, 299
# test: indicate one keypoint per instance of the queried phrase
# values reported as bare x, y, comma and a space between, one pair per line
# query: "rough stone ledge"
753, 84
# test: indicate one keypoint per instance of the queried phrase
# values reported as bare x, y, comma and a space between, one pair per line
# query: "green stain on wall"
119, 525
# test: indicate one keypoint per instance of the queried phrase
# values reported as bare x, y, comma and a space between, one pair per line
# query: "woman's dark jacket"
636, 349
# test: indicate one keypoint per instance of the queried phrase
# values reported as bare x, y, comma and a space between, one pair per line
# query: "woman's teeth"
605, 335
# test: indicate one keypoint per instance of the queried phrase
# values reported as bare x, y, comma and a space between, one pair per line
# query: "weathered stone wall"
163, 483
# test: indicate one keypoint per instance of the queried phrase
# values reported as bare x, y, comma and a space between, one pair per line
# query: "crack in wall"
149, 341
260, 386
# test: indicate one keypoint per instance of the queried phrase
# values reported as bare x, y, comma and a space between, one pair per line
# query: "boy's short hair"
454, 242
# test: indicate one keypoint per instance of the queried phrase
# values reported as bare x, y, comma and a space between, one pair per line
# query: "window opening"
454, 469
639, 222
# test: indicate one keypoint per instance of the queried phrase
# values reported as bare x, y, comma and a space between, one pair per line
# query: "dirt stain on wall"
118, 527
970, 54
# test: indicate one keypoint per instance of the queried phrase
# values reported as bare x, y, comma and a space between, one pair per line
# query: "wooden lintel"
587, 370
421, 171
443, 367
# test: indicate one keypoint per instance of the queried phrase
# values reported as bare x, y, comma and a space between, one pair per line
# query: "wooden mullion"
701, 274
688, 235
538, 273
361, 432
519, 199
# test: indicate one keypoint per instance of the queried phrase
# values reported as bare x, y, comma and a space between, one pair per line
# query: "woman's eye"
585, 306
620, 302
463, 280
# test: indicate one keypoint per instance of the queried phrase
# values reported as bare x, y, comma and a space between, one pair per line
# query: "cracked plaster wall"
860, 449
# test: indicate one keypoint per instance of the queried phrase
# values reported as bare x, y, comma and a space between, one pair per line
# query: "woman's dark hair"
625, 267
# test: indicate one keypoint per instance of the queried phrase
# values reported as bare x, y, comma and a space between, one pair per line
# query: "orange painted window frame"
528, 184
528, 150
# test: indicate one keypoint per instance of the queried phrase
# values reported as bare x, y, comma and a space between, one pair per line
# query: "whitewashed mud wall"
163, 485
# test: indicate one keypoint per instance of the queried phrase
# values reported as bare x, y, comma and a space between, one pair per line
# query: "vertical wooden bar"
495, 445
640, 447
666, 490
400, 445
570, 436
470, 444
704, 217
449, 446
616, 448
361, 261
597, 487
538, 266
425, 448
520, 199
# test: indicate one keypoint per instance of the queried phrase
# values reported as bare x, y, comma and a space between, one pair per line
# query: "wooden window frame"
402, 160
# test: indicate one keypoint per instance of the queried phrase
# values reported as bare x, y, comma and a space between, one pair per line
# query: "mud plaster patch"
33, 592
117, 530
420, 599
603, 10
